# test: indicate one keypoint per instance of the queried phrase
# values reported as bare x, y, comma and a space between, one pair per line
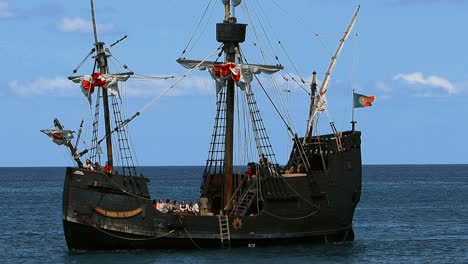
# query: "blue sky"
410, 54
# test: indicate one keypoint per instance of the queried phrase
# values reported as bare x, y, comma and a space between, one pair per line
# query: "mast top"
93, 18
229, 7
314, 78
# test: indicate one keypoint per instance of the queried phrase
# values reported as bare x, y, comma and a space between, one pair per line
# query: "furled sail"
320, 101
242, 74
108, 81
59, 136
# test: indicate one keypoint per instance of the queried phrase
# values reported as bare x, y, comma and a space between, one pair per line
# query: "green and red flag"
361, 100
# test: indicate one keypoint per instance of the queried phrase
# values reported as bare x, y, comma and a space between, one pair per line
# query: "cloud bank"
59, 86
192, 85
418, 79
80, 25
44, 86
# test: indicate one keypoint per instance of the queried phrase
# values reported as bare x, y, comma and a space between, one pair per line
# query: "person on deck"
160, 205
190, 208
292, 170
249, 171
107, 168
263, 160
203, 206
154, 204
175, 207
97, 167
253, 180
183, 207
167, 206
88, 165
196, 208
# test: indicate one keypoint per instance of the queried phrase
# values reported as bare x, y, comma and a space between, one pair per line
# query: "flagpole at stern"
353, 122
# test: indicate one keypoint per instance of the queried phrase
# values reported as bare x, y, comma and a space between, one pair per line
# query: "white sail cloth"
321, 104
59, 136
107, 81
242, 74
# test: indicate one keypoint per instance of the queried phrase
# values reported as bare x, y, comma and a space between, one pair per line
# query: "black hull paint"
110, 212
90, 238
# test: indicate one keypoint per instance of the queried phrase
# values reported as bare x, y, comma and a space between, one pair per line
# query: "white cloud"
383, 87
196, 84
59, 86
77, 24
417, 78
5, 11
41, 86
192, 85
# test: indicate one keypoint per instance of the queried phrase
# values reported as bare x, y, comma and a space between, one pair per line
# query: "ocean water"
407, 214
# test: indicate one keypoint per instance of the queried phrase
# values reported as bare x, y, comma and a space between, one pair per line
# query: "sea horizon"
400, 164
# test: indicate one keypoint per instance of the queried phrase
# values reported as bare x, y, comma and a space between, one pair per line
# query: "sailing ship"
311, 199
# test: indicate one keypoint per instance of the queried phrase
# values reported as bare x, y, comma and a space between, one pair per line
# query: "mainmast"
230, 34
101, 60
316, 103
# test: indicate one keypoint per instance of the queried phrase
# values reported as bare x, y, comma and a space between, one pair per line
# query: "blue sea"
407, 214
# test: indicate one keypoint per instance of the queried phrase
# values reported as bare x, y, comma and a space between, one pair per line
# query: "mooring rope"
291, 219
133, 239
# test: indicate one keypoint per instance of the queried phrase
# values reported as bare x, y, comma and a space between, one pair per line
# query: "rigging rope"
282, 47
117, 59
271, 101
124, 191
190, 237
197, 27
288, 125
128, 120
178, 81
325, 46
257, 36
265, 34
147, 77
84, 60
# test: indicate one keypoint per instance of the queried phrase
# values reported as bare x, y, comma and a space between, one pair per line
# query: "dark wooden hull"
89, 238
108, 212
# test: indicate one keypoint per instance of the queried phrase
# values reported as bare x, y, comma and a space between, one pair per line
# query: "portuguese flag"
361, 100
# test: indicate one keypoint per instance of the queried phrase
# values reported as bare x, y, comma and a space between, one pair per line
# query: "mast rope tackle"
128, 120
335, 131
84, 60
196, 29
183, 77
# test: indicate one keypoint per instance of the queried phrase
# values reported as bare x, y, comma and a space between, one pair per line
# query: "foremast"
101, 61
318, 102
